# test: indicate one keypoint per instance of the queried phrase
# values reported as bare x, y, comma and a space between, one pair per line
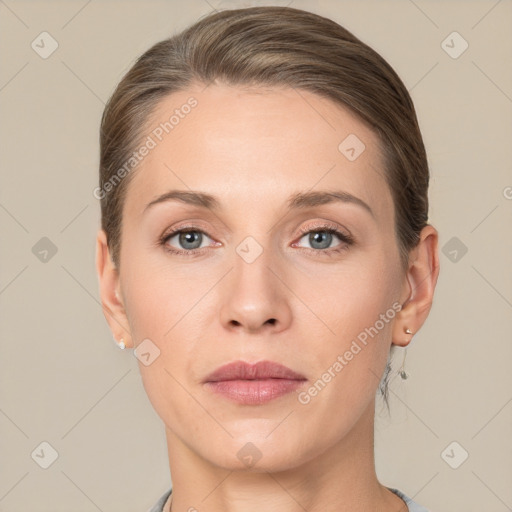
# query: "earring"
403, 374
120, 343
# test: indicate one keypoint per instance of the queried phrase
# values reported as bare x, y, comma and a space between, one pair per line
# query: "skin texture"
253, 149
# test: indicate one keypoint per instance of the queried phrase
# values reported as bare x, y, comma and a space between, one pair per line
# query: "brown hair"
270, 46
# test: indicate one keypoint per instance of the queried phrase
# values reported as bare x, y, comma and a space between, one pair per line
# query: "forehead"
256, 147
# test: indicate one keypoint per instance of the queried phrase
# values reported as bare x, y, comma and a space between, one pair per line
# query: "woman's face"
255, 276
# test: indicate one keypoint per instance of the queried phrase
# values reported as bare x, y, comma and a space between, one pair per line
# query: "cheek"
353, 298
159, 307
155, 296
359, 306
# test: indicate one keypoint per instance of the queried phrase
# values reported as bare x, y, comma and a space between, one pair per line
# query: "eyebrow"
299, 200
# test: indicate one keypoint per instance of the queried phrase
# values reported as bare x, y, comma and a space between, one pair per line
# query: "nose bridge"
251, 263
255, 297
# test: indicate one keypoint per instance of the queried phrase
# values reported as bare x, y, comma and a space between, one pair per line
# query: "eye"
321, 238
190, 240
185, 241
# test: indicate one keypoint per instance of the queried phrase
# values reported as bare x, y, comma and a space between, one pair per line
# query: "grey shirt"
413, 506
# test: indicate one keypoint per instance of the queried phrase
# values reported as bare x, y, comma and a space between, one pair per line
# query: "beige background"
63, 381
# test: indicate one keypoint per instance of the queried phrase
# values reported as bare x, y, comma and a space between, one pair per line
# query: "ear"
419, 285
110, 292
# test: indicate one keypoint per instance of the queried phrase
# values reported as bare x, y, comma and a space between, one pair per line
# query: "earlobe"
402, 333
109, 285
422, 278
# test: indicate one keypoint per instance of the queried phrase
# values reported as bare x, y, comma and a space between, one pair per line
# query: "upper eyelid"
325, 225
174, 232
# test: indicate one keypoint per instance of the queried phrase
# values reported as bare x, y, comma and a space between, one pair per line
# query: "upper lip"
240, 370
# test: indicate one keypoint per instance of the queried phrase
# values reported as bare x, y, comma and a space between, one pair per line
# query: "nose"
254, 296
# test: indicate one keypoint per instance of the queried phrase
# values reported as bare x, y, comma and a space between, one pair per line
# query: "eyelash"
346, 239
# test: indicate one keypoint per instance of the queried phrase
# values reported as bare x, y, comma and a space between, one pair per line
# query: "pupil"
317, 238
189, 237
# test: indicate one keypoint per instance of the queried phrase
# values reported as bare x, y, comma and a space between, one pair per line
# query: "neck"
342, 478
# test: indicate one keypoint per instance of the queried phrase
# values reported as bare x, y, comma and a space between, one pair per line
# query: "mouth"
253, 384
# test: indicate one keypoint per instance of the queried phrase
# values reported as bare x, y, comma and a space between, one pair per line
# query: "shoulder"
159, 505
413, 506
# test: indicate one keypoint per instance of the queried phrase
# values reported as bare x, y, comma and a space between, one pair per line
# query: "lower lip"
254, 392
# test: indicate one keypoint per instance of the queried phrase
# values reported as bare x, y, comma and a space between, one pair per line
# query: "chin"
257, 454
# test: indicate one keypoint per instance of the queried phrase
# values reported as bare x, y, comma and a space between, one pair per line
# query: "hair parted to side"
271, 46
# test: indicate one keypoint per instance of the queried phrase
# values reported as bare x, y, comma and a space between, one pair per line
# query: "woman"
264, 245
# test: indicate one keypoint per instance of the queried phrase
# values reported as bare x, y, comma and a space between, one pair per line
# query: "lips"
240, 370
253, 384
